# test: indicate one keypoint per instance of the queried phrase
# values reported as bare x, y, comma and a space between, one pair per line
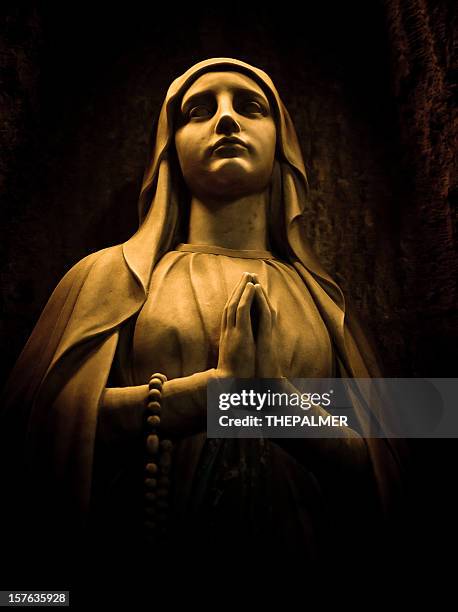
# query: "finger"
273, 312
241, 283
243, 311
234, 300
265, 318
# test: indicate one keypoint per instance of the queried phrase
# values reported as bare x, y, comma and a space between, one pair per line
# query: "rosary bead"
151, 468
155, 383
150, 483
152, 444
153, 420
163, 377
153, 407
154, 395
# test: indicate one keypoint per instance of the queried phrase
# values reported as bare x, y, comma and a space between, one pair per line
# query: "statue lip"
227, 140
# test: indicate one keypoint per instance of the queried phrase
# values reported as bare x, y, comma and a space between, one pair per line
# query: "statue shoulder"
90, 276
94, 296
105, 261
107, 256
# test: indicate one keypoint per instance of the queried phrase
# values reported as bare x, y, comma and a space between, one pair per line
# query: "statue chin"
232, 180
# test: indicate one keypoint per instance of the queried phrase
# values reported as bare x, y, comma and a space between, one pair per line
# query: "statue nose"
227, 124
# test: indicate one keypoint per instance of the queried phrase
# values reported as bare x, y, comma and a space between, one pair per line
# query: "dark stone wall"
423, 40
423, 37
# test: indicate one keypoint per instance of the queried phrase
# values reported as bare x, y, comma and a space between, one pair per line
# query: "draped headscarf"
54, 391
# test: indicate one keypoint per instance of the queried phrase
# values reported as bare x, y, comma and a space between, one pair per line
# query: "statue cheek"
188, 156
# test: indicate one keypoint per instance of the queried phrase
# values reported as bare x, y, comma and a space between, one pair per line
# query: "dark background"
369, 86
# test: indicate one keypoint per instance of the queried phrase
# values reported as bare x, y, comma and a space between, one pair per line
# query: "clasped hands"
246, 349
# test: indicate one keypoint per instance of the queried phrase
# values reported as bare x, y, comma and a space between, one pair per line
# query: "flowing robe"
224, 492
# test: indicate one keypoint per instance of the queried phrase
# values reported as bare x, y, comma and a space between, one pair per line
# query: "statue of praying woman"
218, 281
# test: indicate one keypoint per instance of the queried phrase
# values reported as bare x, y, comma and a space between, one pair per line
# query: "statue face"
225, 138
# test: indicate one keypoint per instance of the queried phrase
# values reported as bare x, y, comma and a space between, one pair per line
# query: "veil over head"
55, 389
158, 204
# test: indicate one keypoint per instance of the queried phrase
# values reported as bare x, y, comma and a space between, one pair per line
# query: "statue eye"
252, 107
199, 111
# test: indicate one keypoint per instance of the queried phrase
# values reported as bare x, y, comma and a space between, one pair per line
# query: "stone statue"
218, 281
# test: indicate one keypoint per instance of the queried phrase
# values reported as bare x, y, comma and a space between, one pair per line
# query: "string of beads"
158, 463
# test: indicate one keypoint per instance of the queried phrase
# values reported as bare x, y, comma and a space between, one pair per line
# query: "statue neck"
236, 224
